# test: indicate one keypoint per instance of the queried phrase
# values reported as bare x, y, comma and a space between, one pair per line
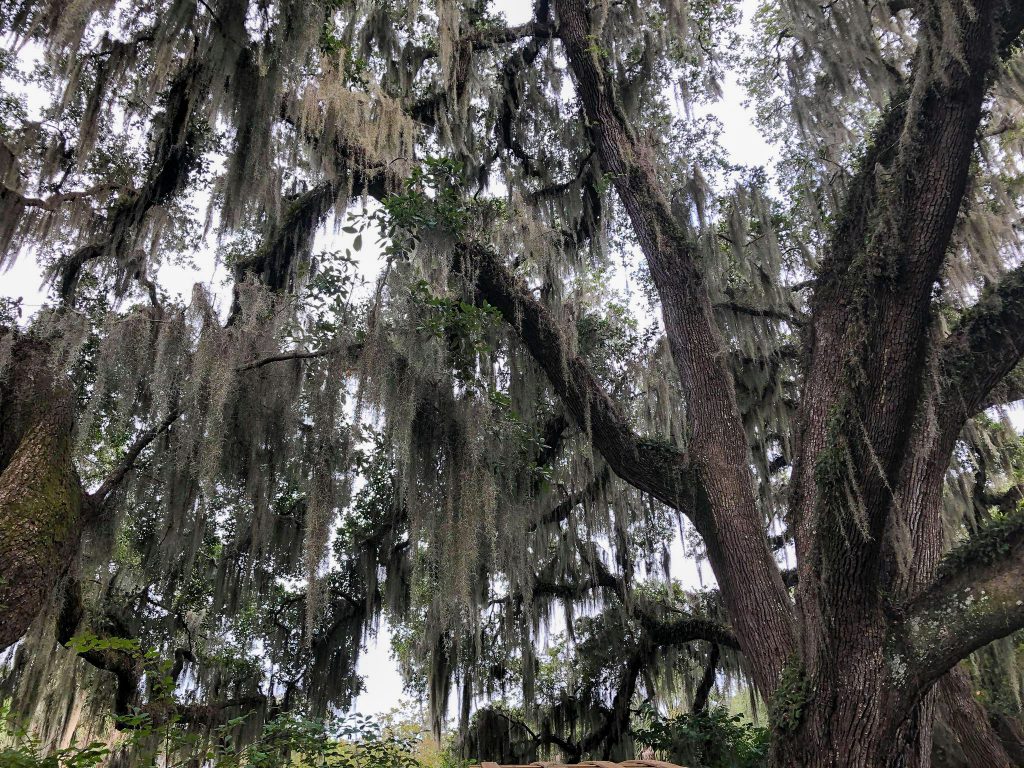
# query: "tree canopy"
494, 320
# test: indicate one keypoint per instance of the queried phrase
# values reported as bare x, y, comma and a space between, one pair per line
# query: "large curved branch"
656, 468
977, 597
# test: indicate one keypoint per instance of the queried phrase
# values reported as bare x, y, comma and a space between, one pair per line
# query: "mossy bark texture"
41, 498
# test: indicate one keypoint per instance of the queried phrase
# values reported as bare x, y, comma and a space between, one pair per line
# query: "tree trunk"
41, 498
847, 714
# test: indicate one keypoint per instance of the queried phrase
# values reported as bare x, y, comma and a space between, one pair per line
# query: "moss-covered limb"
492, 36
549, 584
287, 244
40, 518
742, 562
977, 597
679, 631
872, 303
980, 358
561, 511
352, 163
42, 504
872, 187
553, 437
707, 680
1007, 502
144, 682
176, 158
616, 721
25, 392
277, 256
660, 470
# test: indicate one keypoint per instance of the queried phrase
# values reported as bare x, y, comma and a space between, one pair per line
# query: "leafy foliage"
715, 739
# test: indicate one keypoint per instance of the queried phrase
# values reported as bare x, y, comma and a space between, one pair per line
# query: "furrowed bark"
974, 361
967, 721
864, 378
732, 528
872, 304
40, 499
918, 515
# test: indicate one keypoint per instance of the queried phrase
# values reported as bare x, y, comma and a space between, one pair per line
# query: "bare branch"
352, 350
769, 313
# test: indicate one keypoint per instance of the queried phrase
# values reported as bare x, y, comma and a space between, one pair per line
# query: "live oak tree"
818, 367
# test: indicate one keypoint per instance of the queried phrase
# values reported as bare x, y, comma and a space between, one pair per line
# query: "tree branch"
769, 313
1010, 389
686, 630
55, 201
977, 597
731, 524
98, 500
353, 351
707, 681
561, 511
983, 350
659, 469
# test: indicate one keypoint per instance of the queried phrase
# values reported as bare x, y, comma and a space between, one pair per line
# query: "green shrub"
712, 739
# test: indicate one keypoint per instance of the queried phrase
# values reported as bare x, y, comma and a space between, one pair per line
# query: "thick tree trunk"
847, 715
41, 498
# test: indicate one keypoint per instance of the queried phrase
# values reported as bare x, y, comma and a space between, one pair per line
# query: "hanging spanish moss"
422, 312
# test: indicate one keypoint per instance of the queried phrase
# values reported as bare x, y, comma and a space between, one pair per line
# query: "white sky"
384, 685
